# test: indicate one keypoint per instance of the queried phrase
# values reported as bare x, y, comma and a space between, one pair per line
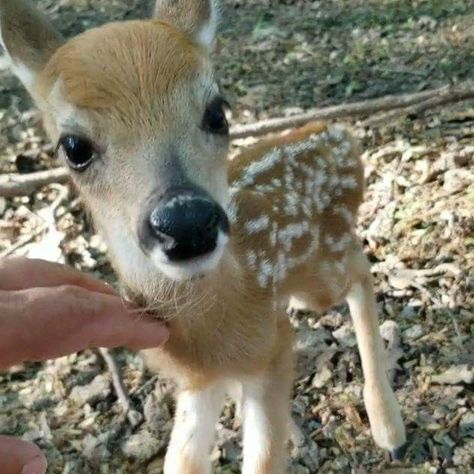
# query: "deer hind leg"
193, 432
382, 407
266, 414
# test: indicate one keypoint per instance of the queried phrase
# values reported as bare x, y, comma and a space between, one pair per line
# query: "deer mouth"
194, 268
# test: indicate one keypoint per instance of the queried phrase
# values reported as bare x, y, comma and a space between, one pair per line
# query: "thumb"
19, 456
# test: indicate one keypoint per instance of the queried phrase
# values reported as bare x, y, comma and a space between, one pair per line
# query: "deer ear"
196, 18
28, 39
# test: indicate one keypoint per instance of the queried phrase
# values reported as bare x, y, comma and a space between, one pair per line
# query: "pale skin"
50, 310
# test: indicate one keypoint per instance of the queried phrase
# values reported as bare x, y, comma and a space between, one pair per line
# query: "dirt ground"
278, 57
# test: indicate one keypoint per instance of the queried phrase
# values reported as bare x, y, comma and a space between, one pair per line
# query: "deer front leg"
382, 407
266, 417
193, 432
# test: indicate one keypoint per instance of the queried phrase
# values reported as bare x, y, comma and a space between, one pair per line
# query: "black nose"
187, 225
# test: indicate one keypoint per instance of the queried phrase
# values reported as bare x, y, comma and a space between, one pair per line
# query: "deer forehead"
129, 69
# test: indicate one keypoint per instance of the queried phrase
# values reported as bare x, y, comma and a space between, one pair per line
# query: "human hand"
49, 310
21, 457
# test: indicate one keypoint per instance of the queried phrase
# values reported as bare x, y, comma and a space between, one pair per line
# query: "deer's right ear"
28, 39
196, 18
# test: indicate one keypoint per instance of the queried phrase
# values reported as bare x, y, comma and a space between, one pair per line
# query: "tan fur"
223, 316
131, 67
139, 89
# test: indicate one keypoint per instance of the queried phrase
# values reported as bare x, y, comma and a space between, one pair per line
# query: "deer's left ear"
28, 39
196, 18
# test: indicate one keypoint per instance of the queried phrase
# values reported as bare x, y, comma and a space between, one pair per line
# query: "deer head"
139, 121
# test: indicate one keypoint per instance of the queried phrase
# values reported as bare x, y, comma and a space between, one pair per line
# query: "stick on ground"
22, 184
446, 97
133, 416
366, 107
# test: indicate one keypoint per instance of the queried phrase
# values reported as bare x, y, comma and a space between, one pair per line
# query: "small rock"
141, 446
156, 411
457, 179
296, 434
98, 389
8, 424
322, 377
454, 375
308, 454
427, 22
94, 450
331, 320
312, 339
345, 336
390, 331
414, 332
409, 312
401, 279
466, 425
463, 454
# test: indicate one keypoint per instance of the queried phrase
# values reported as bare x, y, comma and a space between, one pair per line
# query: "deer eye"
215, 120
79, 151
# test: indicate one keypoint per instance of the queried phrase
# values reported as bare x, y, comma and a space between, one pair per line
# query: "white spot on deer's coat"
259, 167
340, 267
290, 233
348, 182
344, 212
264, 189
265, 273
257, 225
232, 208
292, 200
252, 259
309, 177
274, 234
337, 245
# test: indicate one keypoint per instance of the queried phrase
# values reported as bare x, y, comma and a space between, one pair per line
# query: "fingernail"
152, 335
35, 466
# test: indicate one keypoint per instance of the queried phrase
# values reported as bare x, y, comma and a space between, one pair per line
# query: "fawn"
216, 248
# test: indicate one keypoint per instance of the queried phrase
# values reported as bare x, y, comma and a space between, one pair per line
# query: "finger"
21, 273
46, 323
19, 456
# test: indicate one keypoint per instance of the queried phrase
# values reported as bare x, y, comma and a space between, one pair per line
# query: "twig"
365, 107
448, 96
18, 185
145, 385
397, 105
133, 416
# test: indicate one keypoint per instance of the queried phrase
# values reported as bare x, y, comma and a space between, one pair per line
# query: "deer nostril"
166, 241
186, 226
